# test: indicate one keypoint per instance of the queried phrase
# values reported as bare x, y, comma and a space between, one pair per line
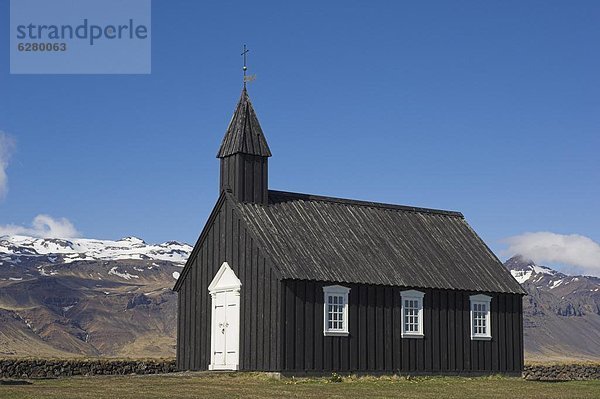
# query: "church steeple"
244, 134
244, 155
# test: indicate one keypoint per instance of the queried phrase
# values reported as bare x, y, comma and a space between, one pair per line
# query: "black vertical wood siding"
282, 322
375, 343
246, 176
228, 240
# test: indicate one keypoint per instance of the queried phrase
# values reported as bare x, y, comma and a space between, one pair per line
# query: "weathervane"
245, 68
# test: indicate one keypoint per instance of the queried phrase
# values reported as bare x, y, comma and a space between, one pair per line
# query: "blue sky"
491, 108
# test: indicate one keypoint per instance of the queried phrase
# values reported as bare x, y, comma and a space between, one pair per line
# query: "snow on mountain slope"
87, 297
526, 271
561, 312
14, 248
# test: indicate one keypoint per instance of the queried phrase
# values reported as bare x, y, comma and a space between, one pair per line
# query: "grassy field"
198, 385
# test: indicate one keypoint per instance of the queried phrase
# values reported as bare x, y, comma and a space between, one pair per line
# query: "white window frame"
481, 300
414, 296
335, 290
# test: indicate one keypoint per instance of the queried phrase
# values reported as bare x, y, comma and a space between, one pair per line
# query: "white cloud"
43, 226
578, 253
7, 146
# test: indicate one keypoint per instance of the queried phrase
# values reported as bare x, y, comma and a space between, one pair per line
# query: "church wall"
227, 239
375, 343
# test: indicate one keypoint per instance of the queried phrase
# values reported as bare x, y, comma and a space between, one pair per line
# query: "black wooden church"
301, 283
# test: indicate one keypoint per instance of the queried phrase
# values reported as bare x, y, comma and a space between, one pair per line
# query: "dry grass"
553, 358
250, 385
562, 361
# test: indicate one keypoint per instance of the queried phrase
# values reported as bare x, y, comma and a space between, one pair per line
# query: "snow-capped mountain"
523, 269
527, 273
74, 297
14, 249
562, 312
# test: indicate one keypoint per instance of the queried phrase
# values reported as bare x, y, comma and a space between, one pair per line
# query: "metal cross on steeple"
244, 55
245, 68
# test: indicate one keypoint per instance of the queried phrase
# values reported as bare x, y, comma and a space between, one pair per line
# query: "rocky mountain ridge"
561, 312
55, 250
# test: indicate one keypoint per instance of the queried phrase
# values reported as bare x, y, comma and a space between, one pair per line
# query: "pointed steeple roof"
244, 134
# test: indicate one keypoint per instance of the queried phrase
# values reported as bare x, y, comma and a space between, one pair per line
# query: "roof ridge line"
347, 201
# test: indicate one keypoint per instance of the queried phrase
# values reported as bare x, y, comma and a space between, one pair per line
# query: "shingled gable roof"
244, 134
331, 239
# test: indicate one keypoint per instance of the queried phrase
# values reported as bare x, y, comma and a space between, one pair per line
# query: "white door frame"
225, 281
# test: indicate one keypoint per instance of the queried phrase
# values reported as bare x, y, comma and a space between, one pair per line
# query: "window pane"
480, 315
411, 315
335, 306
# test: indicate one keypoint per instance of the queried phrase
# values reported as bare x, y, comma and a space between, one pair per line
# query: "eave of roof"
188, 264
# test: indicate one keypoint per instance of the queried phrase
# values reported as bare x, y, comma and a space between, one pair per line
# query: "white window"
412, 314
335, 310
481, 327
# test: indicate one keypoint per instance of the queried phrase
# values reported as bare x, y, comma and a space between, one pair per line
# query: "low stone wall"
562, 372
38, 368
52, 368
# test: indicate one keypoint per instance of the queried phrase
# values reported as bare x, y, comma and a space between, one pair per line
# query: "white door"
218, 330
225, 321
